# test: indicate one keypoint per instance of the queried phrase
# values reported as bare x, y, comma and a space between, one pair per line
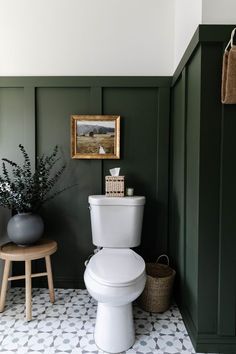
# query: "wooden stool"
11, 252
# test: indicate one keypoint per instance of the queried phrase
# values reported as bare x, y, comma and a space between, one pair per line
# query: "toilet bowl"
115, 277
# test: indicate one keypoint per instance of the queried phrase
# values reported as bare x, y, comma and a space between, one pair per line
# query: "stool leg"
4, 284
50, 280
28, 289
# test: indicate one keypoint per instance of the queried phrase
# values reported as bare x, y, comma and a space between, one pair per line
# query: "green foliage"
25, 191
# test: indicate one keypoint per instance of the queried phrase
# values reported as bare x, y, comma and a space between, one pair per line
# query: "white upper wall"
219, 11
86, 37
102, 37
188, 15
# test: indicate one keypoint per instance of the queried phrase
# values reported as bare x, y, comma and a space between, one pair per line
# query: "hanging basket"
157, 293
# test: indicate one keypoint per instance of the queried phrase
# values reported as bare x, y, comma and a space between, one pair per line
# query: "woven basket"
157, 293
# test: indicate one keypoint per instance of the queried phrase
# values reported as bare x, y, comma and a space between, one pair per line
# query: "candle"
129, 192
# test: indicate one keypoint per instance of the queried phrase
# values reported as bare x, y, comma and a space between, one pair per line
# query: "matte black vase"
25, 228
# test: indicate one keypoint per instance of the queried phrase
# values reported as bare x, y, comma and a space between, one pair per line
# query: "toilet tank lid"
104, 200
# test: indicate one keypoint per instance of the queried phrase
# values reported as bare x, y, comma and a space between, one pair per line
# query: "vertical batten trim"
96, 108
29, 129
163, 128
96, 100
219, 320
184, 103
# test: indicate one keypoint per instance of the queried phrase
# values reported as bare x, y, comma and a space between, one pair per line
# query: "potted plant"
24, 192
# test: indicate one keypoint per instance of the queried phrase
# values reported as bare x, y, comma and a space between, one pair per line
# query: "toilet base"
114, 329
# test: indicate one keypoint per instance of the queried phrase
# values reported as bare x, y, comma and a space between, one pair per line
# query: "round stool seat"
11, 252
41, 249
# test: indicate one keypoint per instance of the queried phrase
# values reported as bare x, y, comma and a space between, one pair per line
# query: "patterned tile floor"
67, 326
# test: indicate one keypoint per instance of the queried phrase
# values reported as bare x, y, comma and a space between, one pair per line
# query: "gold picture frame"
95, 137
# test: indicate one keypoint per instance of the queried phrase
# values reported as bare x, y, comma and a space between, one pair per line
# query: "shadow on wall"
71, 229
151, 240
5, 215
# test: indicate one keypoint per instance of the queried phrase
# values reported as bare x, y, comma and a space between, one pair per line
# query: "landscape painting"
95, 137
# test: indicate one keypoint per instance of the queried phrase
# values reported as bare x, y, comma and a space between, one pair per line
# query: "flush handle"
87, 261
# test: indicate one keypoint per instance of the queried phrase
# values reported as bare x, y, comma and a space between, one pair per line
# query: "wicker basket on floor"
157, 293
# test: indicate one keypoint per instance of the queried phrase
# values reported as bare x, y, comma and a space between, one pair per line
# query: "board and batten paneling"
176, 241
202, 226
192, 146
46, 104
66, 217
13, 117
140, 160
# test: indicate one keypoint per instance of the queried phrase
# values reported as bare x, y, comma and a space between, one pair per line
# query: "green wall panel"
13, 121
192, 183
227, 259
66, 217
138, 108
202, 194
162, 190
209, 203
12, 132
177, 186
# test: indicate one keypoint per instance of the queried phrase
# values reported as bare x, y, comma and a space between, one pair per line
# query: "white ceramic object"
115, 276
116, 221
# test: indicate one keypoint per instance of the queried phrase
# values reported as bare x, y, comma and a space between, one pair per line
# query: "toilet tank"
116, 221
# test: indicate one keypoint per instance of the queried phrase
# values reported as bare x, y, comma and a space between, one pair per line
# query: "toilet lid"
116, 267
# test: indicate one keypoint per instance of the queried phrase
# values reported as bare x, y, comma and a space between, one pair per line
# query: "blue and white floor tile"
67, 326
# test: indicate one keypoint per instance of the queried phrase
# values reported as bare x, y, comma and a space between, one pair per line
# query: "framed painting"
95, 137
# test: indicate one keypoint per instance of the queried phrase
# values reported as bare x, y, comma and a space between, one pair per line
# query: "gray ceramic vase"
25, 228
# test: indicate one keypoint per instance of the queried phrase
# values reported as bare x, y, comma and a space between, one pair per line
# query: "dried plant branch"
23, 190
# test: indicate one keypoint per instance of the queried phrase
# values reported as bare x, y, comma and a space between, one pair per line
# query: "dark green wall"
36, 112
202, 230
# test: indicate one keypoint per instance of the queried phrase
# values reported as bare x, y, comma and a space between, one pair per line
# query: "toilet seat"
116, 267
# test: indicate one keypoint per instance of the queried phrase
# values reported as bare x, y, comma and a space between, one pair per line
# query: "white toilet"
115, 276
